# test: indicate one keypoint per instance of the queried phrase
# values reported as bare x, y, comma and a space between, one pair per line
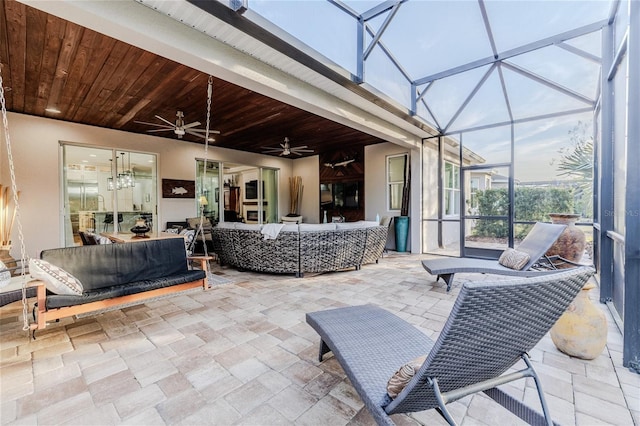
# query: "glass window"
396, 165
208, 186
100, 184
451, 189
473, 199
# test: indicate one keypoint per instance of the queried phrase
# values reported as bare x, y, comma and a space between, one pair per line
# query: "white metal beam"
515, 52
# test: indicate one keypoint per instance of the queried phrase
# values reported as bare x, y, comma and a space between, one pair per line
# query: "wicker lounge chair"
490, 328
535, 244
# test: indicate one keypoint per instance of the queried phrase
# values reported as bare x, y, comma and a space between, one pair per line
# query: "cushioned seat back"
539, 240
115, 264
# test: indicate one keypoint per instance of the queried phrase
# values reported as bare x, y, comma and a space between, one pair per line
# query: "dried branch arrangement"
7, 216
295, 192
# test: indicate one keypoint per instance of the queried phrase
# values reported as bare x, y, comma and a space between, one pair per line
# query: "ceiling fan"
179, 127
286, 149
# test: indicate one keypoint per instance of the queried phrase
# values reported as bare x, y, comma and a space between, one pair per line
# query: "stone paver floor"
242, 354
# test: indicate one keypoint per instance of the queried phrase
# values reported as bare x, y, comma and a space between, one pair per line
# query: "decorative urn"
571, 243
141, 228
581, 331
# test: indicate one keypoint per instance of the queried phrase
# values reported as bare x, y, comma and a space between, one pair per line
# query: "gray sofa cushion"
59, 301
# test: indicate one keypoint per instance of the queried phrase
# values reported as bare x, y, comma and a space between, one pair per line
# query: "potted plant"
401, 223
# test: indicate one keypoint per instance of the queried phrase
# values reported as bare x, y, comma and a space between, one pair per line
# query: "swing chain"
204, 175
14, 189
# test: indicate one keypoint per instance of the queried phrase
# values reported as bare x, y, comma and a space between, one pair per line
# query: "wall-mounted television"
251, 190
343, 195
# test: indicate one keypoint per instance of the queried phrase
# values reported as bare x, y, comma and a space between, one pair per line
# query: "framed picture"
173, 188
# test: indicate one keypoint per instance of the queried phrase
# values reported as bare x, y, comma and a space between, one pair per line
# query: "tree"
576, 161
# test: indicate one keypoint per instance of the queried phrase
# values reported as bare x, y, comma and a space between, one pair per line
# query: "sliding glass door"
236, 192
106, 190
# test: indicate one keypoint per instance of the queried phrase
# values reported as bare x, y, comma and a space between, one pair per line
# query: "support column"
605, 162
631, 351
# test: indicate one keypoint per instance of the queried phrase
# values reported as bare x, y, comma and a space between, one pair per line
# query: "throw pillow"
173, 230
194, 222
5, 276
514, 259
188, 234
56, 279
403, 376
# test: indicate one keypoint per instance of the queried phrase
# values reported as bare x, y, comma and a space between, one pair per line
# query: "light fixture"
203, 201
53, 110
126, 179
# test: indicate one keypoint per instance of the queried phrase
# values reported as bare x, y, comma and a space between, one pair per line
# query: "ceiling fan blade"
299, 147
153, 124
159, 130
203, 131
190, 125
301, 150
200, 135
296, 153
166, 121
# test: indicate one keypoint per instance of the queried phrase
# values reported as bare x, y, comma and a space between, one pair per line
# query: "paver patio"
242, 354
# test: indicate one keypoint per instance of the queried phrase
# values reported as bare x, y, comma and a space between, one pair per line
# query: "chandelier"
125, 179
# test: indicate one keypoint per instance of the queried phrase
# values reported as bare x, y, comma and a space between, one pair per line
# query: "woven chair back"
490, 327
539, 240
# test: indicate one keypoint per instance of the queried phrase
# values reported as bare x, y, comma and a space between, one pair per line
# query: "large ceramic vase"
401, 228
581, 331
571, 243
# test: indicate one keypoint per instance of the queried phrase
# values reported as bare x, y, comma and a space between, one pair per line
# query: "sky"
427, 37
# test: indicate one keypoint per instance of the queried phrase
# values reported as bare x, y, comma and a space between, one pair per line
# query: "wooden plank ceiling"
100, 81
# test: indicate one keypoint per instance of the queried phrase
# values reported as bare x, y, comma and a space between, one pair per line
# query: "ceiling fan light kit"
286, 149
179, 128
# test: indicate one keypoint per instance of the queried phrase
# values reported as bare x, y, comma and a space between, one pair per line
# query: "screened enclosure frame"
369, 39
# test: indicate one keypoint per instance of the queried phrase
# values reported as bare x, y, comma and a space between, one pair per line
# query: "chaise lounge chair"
535, 244
490, 328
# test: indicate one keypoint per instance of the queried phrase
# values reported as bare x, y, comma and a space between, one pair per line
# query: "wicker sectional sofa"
300, 248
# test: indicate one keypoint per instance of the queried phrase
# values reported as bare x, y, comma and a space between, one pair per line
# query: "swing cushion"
113, 270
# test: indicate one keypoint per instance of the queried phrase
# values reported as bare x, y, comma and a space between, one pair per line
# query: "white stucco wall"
35, 147
307, 168
376, 190
36, 151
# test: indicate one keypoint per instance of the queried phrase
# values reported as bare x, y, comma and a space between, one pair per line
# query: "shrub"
531, 205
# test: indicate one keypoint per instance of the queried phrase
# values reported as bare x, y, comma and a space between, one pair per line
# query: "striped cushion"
399, 380
513, 259
56, 279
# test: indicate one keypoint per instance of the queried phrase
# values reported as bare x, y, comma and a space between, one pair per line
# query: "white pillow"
5, 277
248, 226
188, 234
226, 225
317, 227
56, 279
290, 227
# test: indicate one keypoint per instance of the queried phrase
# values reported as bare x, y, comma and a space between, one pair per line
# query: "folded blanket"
271, 230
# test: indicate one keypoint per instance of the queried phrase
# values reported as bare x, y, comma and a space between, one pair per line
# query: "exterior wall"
376, 190
307, 168
35, 148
